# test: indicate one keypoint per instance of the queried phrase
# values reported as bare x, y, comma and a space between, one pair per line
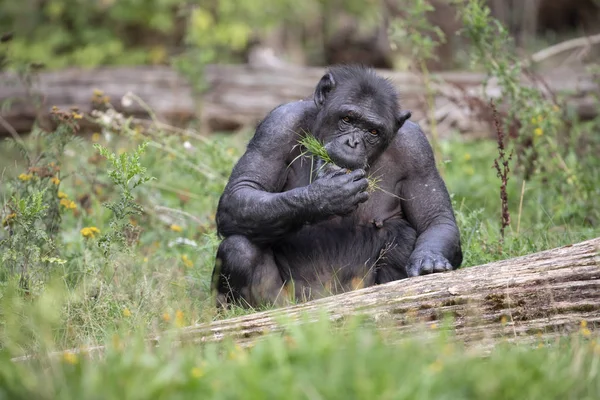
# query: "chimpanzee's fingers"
413, 268
357, 174
361, 197
441, 265
358, 186
426, 266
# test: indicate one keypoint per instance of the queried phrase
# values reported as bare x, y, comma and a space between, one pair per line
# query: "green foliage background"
63, 33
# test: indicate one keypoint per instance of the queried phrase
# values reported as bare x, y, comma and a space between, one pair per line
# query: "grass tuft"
314, 147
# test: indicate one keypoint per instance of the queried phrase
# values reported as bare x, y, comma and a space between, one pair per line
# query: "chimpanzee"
296, 228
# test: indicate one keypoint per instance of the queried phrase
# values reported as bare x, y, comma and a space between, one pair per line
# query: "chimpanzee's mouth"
347, 163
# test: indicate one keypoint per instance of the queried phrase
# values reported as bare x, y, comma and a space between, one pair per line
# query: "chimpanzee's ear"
325, 85
402, 117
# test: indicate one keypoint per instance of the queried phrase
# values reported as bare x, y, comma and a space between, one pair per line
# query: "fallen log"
238, 96
543, 294
535, 297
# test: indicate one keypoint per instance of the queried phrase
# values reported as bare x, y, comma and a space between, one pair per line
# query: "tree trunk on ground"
547, 293
535, 297
239, 96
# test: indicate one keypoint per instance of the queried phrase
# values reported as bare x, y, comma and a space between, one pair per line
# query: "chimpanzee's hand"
339, 191
425, 262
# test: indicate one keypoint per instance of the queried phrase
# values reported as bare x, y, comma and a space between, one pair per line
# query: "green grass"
162, 282
315, 361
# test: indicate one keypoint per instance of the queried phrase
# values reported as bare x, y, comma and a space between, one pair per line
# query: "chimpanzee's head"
358, 117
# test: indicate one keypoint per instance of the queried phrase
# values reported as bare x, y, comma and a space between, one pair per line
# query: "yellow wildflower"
55, 180
179, 321
186, 261
89, 232
95, 137
145, 259
77, 115
106, 99
230, 151
538, 131
166, 317
433, 326
25, 177
70, 358
176, 228
98, 92
197, 372
62, 195
68, 204
503, 320
126, 312
467, 156
8, 218
584, 329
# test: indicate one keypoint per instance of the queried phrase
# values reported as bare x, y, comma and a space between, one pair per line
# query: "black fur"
292, 229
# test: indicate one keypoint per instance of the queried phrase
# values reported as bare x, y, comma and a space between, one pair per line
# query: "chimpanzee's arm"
427, 206
252, 203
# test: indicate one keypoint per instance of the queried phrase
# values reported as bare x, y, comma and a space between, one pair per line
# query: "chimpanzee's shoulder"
412, 146
289, 116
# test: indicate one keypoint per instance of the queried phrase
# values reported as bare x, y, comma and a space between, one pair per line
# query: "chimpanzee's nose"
352, 141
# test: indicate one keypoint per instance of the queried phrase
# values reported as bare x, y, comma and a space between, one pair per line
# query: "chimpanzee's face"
356, 128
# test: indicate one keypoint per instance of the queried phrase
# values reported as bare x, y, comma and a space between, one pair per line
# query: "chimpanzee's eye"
374, 132
346, 119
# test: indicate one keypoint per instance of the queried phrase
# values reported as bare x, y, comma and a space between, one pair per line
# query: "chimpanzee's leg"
246, 274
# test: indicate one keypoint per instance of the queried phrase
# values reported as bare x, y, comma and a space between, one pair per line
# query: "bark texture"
543, 294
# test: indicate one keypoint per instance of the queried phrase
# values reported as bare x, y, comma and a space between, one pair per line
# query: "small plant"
33, 213
501, 163
315, 148
127, 174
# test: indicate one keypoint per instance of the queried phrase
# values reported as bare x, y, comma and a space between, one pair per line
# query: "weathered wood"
534, 297
239, 95
542, 294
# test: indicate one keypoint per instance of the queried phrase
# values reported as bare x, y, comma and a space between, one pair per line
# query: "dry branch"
535, 297
568, 45
239, 95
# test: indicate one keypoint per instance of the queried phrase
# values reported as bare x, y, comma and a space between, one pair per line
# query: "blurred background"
165, 52
61, 33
